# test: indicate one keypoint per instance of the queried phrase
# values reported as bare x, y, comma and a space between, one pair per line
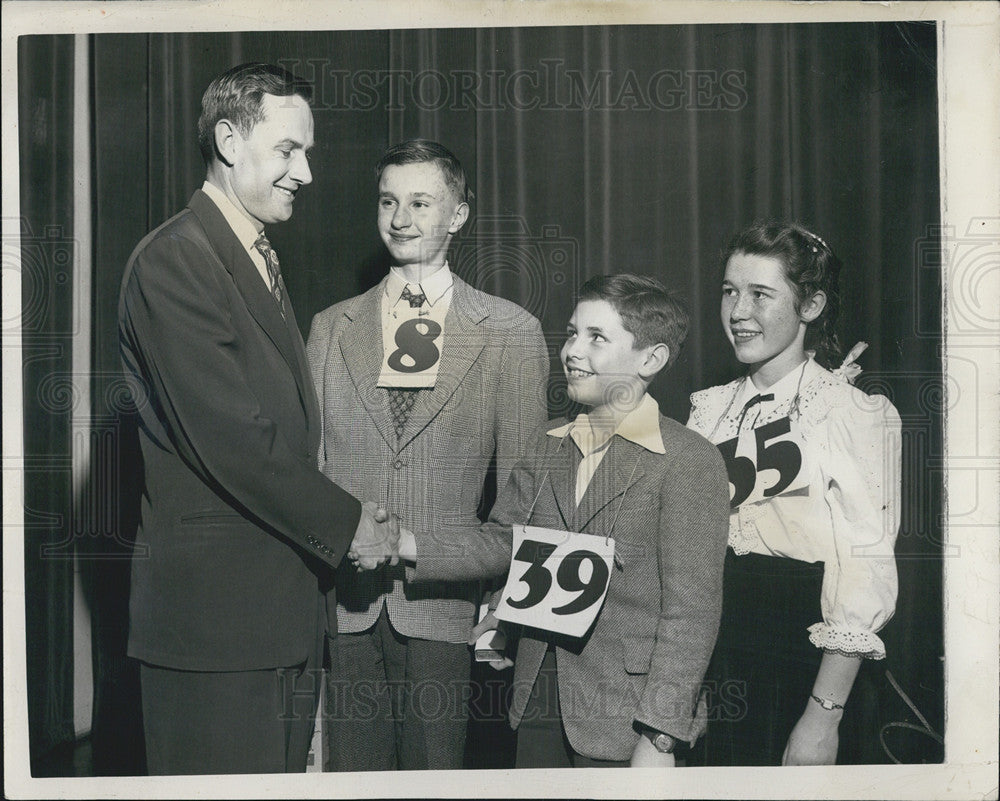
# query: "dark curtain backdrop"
590, 150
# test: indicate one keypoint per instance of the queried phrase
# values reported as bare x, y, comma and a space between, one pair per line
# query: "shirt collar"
434, 286
242, 227
784, 389
641, 426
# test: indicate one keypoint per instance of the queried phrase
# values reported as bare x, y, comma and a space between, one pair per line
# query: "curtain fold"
48, 260
590, 150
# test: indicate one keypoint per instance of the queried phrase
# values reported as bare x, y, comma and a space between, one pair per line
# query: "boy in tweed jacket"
628, 690
398, 688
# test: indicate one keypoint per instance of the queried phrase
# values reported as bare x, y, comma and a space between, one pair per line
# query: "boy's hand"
646, 756
489, 623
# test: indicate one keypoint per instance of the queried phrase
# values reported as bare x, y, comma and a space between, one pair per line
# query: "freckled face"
759, 314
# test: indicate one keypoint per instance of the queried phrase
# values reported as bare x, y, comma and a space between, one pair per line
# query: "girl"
813, 466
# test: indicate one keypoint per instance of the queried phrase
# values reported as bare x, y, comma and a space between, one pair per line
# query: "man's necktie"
753, 402
273, 271
416, 300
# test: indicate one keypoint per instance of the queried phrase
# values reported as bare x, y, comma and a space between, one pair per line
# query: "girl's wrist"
824, 709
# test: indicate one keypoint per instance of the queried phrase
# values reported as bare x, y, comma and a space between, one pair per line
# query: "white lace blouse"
843, 507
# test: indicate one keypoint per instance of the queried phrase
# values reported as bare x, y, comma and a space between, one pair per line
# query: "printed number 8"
539, 578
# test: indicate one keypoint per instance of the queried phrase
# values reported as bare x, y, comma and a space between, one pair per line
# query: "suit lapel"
361, 347
248, 282
464, 340
564, 482
303, 377
620, 468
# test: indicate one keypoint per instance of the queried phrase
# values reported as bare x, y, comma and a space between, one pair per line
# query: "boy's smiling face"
603, 368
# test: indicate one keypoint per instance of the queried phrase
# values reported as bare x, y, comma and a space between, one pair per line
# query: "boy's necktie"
416, 300
401, 400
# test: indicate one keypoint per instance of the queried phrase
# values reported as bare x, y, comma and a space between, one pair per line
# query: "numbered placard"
412, 351
557, 579
764, 462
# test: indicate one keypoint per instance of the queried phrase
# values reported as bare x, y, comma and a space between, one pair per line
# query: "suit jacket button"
399, 464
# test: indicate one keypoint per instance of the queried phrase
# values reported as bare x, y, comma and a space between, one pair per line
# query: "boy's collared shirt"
641, 426
242, 227
437, 291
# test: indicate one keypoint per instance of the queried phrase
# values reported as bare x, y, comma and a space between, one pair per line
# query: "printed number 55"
783, 456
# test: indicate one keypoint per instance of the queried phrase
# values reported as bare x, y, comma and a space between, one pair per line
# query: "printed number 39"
539, 578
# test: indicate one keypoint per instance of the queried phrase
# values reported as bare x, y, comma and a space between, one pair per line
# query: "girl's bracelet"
826, 703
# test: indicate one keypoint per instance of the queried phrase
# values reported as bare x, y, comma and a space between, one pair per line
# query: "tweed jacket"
489, 398
237, 522
644, 658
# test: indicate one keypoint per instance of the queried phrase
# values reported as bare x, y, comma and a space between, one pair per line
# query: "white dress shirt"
242, 227
847, 515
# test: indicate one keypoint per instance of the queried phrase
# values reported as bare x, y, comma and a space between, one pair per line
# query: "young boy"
627, 691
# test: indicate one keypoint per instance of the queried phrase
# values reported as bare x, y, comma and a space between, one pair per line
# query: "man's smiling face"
270, 164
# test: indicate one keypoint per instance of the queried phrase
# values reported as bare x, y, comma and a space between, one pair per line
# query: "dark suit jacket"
646, 655
237, 522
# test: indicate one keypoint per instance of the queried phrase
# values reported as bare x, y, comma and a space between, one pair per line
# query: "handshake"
377, 539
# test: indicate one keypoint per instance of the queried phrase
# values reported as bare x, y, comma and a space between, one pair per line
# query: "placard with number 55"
557, 579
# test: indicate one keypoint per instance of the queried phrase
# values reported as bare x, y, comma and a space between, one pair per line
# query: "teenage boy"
423, 381
628, 690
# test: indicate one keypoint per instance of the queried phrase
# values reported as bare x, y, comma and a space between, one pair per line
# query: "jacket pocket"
637, 653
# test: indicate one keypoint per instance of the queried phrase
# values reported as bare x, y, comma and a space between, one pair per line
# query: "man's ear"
813, 307
227, 140
458, 218
656, 360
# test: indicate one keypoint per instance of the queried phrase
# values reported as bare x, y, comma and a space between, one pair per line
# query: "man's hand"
377, 539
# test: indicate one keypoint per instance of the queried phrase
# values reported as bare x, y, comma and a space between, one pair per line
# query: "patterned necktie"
401, 400
273, 271
400, 403
415, 300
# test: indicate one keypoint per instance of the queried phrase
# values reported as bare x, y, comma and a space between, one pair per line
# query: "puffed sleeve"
862, 473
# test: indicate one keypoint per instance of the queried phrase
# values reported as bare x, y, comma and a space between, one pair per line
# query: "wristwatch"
663, 743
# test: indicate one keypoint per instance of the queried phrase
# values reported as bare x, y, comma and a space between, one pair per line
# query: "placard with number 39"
557, 579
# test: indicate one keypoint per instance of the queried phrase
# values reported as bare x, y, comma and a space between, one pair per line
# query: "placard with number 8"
557, 579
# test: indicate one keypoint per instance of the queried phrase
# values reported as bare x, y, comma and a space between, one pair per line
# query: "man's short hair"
649, 311
238, 95
421, 151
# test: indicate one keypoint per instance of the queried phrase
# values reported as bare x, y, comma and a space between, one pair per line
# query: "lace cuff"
847, 642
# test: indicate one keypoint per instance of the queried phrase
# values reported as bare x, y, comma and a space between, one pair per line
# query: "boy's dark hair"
421, 151
649, 311
810, 267
237, 95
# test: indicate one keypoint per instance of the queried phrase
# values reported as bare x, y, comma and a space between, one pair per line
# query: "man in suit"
238, 525
423, 382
